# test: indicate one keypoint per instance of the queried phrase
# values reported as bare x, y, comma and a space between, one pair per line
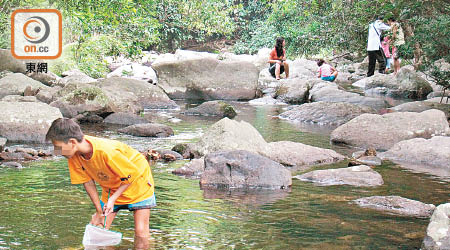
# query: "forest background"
94, 29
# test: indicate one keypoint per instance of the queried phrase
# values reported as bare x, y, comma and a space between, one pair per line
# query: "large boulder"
81, 98
266, 100
243, 169
295, 90
24, 121
383, 131
75, 77
124, 90
302, 68
48, 95
135, 71
48, 78
8, 62
298, 156
148, 130
229, 134
325, 113
213, 108
267, 84
420, 106
18, 98
397, 205
207, 79
361, 176
182, 54
407, 84
193, 169
17, 83
438, 231
431, 156
330, 92
124, 119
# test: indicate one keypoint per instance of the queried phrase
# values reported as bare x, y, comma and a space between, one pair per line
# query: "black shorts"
272, 69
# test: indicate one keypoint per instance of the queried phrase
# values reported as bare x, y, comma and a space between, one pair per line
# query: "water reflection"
255, 198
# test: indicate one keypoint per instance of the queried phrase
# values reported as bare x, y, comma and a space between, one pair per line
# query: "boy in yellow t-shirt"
119, 169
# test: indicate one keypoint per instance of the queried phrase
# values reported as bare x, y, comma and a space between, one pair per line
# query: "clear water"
40, 209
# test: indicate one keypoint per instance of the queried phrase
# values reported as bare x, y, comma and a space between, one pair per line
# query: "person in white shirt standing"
374, 46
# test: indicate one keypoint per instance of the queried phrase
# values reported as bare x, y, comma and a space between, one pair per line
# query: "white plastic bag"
99, 236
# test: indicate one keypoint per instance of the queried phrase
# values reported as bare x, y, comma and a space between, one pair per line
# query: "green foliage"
90, 54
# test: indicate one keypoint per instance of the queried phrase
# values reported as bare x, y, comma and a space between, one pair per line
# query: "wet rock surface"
397, 205
244, 170
362, 176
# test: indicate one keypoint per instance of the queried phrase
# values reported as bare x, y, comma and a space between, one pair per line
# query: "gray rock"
124, 119
15, 84
207, 79
193, 169
266, 100
300, 156
163, 152
361, 176
75, 78
48, 95
420, 106
16, 156
245, 170
229, 134
124, 91
431, 156
213, 108
29, 151
383, 131
11, 164
438, 231
296, 90
369, 160
48, 78
2, 143
407, 84
148, 130
329, 92
8, 62
397, 205
135, 71
186, 150
302, 68
24, 121
18, 98
266, 81
326, 113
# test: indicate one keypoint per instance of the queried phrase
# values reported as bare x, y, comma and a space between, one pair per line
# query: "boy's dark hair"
320, 62
392, 19
63, 129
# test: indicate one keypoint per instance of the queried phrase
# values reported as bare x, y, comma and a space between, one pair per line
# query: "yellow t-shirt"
114, 163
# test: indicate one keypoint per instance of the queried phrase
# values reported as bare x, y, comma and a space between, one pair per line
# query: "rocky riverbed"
231, 153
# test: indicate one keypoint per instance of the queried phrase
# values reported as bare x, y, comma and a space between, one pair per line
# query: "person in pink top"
326, 71
385, 46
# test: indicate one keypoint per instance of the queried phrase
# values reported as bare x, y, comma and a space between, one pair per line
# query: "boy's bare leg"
335, 74
396, 66
277, 71
141, 228
286, 69
141, 222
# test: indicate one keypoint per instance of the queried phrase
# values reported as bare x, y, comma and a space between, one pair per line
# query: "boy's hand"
108, 207
97, 219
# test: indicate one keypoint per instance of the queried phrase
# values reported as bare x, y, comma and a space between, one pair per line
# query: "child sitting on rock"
326, 71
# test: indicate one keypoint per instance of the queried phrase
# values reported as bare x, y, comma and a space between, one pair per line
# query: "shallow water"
41, 210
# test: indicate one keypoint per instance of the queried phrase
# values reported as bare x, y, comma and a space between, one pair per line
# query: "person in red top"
277, 59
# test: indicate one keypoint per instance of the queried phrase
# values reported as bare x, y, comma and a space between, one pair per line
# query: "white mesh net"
97, 236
